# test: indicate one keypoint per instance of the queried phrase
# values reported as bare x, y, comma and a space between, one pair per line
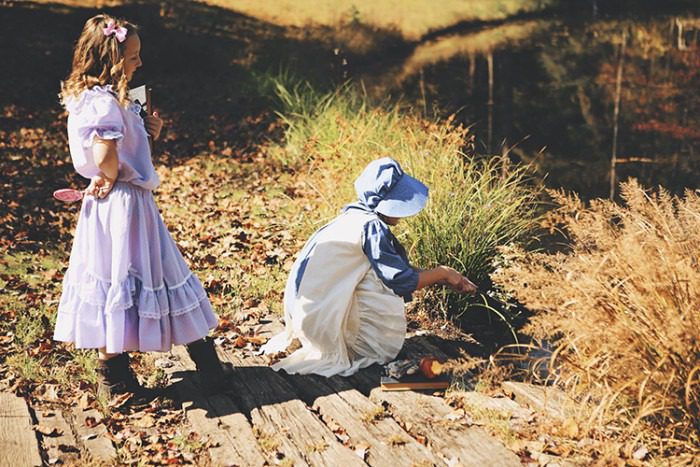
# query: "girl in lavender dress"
127, 287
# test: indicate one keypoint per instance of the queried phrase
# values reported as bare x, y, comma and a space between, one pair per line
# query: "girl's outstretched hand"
153, 124
100, 186
458, 282
445, 275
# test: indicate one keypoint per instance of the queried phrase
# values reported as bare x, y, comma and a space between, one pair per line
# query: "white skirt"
370, 330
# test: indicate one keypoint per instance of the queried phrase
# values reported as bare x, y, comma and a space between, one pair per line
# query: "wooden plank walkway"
18, 441
57, 438
93, 436
270, 418
216, 417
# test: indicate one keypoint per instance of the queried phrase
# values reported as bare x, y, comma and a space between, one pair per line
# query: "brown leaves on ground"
34, 163
232, 224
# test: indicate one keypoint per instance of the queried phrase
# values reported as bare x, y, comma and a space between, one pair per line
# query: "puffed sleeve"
100, 117
388, 259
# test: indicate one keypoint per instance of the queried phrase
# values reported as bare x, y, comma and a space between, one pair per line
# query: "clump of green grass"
30, 369
86, 361
28, 309
622, 305
476, 203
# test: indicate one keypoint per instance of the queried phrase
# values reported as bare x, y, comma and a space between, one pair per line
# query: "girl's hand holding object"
100, 186
153, 124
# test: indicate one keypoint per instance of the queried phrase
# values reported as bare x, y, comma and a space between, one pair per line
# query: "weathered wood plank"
507, 408
94, 439
451, 437
365, 423
283, 421
546, 399
271, 325
18, 443
218, 418
448, 434
61, 446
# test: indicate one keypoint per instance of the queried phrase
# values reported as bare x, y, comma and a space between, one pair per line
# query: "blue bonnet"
386, 189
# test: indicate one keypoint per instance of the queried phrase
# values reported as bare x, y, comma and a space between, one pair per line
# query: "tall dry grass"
624, 307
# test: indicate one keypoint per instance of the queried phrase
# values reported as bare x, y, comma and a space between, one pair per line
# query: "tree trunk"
616, 115
490, 104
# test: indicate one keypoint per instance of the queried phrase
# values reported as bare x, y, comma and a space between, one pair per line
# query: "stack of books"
414, 374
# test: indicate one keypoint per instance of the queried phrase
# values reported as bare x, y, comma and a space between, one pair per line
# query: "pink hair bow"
118, 31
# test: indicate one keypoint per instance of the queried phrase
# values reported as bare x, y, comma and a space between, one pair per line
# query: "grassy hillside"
412, 18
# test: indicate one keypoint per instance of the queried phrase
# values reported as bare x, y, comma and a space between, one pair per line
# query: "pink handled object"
68, 195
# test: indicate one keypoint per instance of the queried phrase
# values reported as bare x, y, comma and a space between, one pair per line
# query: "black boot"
213, 374
116, 377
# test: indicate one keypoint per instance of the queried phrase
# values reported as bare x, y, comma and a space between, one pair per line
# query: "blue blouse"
387, 257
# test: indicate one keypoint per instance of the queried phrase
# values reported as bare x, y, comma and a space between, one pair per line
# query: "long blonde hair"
98, 59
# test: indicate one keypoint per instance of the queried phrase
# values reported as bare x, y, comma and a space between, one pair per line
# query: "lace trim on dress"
150, 303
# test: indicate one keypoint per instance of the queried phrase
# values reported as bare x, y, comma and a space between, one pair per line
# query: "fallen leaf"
570, 429
560, 450
50, 274
84, 401
50, 393
47, 431
240, 342
146, 421
257, 340
91, 422
120, 400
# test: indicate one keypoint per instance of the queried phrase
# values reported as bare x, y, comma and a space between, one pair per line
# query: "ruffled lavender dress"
127, 287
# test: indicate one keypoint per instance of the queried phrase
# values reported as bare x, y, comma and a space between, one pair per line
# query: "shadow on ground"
254, 387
